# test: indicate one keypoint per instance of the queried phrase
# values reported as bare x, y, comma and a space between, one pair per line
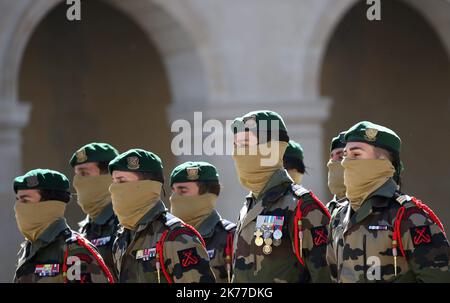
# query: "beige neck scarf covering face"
256, 164
336, 178
34, 218
132, 200
93, 193
192, 209
363, 177
295, 175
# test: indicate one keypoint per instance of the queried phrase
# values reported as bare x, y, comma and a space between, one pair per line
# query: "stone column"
13, 117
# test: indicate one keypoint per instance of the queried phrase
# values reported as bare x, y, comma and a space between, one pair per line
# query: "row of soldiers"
369, 232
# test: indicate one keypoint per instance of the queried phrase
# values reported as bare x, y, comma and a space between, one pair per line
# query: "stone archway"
396, 73
175, 38
330, 13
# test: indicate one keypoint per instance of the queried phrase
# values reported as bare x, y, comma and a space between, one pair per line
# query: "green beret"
94, 152
42, 179
194, 171
136, 160
294, 150
261, 121
338, 142
374, 134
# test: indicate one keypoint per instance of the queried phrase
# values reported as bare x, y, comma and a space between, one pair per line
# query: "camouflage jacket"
215, 231
335, 203
43, 260
102, 232
360, 243
280, 198
184, 256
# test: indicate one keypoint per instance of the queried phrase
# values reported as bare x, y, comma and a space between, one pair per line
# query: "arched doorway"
100, 79
394, 72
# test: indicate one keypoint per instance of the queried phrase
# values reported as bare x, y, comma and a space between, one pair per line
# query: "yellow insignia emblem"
81, 156
192, 173
32, 181
133, 163
371, 134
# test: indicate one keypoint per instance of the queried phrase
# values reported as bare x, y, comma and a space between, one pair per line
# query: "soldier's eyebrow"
355, 148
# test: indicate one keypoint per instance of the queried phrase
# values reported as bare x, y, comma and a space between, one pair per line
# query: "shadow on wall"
102, 81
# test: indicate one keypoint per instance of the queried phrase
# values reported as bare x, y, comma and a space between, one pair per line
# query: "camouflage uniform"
335, 203
185, 258
102, 232
280, 198
355, 238
215, 232
49, 249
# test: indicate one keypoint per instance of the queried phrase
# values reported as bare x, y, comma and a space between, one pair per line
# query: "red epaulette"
298, 225
397, 236
185, 229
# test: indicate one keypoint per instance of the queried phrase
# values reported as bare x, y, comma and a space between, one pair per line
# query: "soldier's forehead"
22, 192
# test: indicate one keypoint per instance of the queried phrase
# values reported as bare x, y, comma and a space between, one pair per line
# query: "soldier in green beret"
52, 252
152, 245
195, 190
282, 230
91, 182
336, 171
381, 234
293, 161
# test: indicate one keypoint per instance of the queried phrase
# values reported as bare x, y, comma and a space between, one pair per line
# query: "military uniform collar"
53, 230
48, 236
206, 228
104, 216
158, 209
375, 200
275, 187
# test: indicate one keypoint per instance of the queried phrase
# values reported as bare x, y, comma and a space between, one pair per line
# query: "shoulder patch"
188, 258
421, 235
319, 235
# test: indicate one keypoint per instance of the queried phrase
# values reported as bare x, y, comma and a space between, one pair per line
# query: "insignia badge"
258, 240
146, 254
32, 181
277, 234
319, 235
188, 258
270, 228
133, 163
267, 249
101, 241
211, 253
371, 134
421, 235
250, 122
192, 173
46, 270
81, 156
276, 242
